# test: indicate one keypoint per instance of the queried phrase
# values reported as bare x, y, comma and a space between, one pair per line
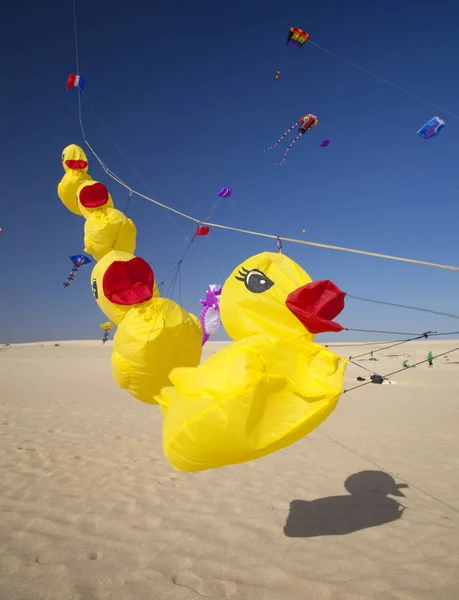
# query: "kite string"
76, 38
402, 370
113, 175
385, 81
424, 335
266, 235
361, 344
110, 173
427, 310
378, 153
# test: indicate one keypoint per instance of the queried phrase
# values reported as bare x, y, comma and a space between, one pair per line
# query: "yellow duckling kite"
106, 228
270, 388
154, 334
75, 163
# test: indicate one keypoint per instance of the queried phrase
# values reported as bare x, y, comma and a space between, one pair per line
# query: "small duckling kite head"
270, 294
74, 159
120, 281
75, 165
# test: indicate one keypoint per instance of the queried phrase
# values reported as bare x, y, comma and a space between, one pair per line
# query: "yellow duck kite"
154, 334
273, 385
75, 163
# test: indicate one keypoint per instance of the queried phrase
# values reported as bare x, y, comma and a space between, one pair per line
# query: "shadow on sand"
367, 505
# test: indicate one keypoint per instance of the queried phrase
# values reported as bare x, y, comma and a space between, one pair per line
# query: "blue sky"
187, 92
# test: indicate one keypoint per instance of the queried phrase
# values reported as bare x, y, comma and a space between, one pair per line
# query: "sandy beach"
366, 507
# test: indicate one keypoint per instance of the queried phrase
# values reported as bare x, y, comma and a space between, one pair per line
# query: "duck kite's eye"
255, 281
95, 293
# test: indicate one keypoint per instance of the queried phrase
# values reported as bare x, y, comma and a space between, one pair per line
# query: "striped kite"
307, 122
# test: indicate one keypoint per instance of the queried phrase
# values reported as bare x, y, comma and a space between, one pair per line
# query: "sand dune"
91, 510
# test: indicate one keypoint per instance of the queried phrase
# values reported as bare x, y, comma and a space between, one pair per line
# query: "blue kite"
78, 260
431, 128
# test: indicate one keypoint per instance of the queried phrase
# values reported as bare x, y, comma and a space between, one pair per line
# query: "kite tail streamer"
288, 149
283, 135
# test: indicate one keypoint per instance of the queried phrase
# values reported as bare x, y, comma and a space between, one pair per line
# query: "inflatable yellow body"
270, 388
150, 342
106, 228
75, 163
154, 334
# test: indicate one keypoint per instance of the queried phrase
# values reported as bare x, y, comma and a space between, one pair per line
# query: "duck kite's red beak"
129, 282
76, 164
316, 305
94, 195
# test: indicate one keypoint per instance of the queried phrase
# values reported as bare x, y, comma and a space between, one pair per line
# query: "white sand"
90, 509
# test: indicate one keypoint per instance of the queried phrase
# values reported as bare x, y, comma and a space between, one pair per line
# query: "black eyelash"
242, 272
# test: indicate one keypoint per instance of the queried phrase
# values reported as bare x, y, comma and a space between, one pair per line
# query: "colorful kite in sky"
225, 192
307, 122
431, 128
75, 81
78, 260
297, 37
106, 327
277, 75
324, 144
202, 230
210, 313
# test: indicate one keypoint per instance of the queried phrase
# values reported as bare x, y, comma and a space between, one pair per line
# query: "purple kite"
225, 192
210, 314
324, 144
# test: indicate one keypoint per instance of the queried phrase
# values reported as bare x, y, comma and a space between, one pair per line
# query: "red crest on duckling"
316, 305
128, 282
